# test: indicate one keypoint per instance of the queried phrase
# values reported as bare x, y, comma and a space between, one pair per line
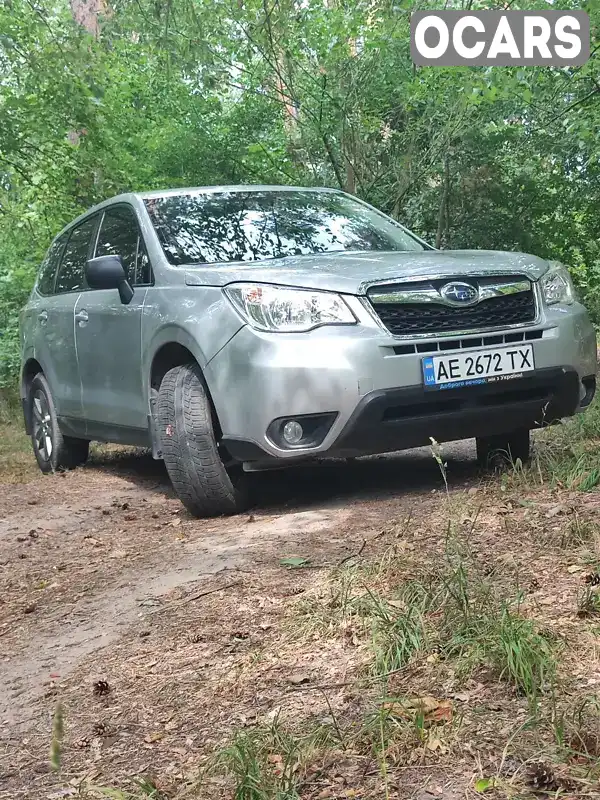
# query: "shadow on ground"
316, 483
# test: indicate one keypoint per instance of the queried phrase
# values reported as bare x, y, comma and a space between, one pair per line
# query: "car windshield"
211, 228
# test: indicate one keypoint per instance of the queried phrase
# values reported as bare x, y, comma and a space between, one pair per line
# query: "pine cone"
294, 591
567, 785
101, 728
593, 579
541, 776
101, 688
82, 743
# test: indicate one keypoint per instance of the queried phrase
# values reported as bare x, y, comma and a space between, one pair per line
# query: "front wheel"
503, 450
206, 481
53, 451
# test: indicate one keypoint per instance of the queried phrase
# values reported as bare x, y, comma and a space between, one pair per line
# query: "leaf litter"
176, 698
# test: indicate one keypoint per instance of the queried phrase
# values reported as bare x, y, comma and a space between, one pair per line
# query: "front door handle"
81, 317
43, 317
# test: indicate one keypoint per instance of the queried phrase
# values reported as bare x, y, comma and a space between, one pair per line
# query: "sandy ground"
198, 630
93, 556
82, 554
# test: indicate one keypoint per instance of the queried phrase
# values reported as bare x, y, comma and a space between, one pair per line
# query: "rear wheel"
205, 478
53, 451
503, 450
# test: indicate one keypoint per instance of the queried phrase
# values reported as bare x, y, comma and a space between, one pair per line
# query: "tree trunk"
444, 210
86, 13
333, 161
350, 186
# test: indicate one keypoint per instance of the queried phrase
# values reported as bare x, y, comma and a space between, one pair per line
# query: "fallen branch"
354, 555
197, 596
209, 591
366, 681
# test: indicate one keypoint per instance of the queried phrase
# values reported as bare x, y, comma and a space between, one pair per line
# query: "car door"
108, 335
55, 338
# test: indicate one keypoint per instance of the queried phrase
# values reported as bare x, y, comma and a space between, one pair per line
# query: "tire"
190, 449
53, 451
503, 450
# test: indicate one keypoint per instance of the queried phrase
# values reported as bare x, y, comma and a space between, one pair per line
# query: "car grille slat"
405, 319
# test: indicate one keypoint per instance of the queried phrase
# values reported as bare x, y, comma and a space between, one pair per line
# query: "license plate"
477, 366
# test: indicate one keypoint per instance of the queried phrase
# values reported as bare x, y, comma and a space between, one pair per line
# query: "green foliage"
58, 725
190, 93
479, 629
269, 763
398, 635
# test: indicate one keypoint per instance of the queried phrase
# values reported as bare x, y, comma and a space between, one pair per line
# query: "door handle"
81, 317
43, 317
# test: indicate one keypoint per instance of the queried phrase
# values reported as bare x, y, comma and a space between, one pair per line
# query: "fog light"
300, 432
292, 432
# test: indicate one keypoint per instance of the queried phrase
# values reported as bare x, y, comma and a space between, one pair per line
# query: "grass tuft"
520, 653
588, 602
578, 533
397, 635
565, 455
481, 630
454, 611
270, 763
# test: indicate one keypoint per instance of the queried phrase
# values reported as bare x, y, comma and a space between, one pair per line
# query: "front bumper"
400, 418
375, 388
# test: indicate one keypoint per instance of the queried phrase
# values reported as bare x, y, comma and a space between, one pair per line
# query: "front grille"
406, 319
435, 346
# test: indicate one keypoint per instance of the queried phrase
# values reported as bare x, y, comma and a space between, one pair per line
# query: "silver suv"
236, 329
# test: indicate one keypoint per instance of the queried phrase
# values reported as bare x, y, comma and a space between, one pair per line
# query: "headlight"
557, 286
277, 308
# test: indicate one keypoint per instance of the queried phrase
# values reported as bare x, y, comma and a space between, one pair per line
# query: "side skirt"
101, 432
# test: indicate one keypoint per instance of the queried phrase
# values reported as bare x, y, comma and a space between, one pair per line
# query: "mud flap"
26, 415
154, 435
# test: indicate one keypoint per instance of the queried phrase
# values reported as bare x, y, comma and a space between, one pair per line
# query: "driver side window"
119, 235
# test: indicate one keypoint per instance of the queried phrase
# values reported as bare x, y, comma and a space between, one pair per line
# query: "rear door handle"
81, 317
43, 317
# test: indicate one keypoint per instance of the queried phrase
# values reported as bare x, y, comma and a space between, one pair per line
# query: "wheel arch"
169, 355
172, 351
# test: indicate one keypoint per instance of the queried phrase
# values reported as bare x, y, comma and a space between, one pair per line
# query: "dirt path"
92, 556
163, 637
83, 555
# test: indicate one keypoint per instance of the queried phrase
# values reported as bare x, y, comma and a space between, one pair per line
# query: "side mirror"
108, 272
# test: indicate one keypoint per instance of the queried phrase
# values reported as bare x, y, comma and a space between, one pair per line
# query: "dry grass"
455, 653
442, 667
17, 464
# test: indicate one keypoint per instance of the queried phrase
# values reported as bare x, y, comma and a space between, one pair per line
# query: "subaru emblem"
460, 294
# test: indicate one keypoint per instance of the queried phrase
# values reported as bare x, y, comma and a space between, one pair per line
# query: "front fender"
197, 318
169, 334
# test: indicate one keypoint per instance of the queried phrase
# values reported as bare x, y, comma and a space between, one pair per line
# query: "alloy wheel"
42, 426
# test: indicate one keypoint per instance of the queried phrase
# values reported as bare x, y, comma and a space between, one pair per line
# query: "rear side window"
45, 283
120, 236
71, 273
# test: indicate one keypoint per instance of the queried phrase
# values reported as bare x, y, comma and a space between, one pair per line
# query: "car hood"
352, 273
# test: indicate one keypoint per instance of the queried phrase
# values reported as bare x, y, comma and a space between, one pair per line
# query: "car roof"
238, 188
130, 197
